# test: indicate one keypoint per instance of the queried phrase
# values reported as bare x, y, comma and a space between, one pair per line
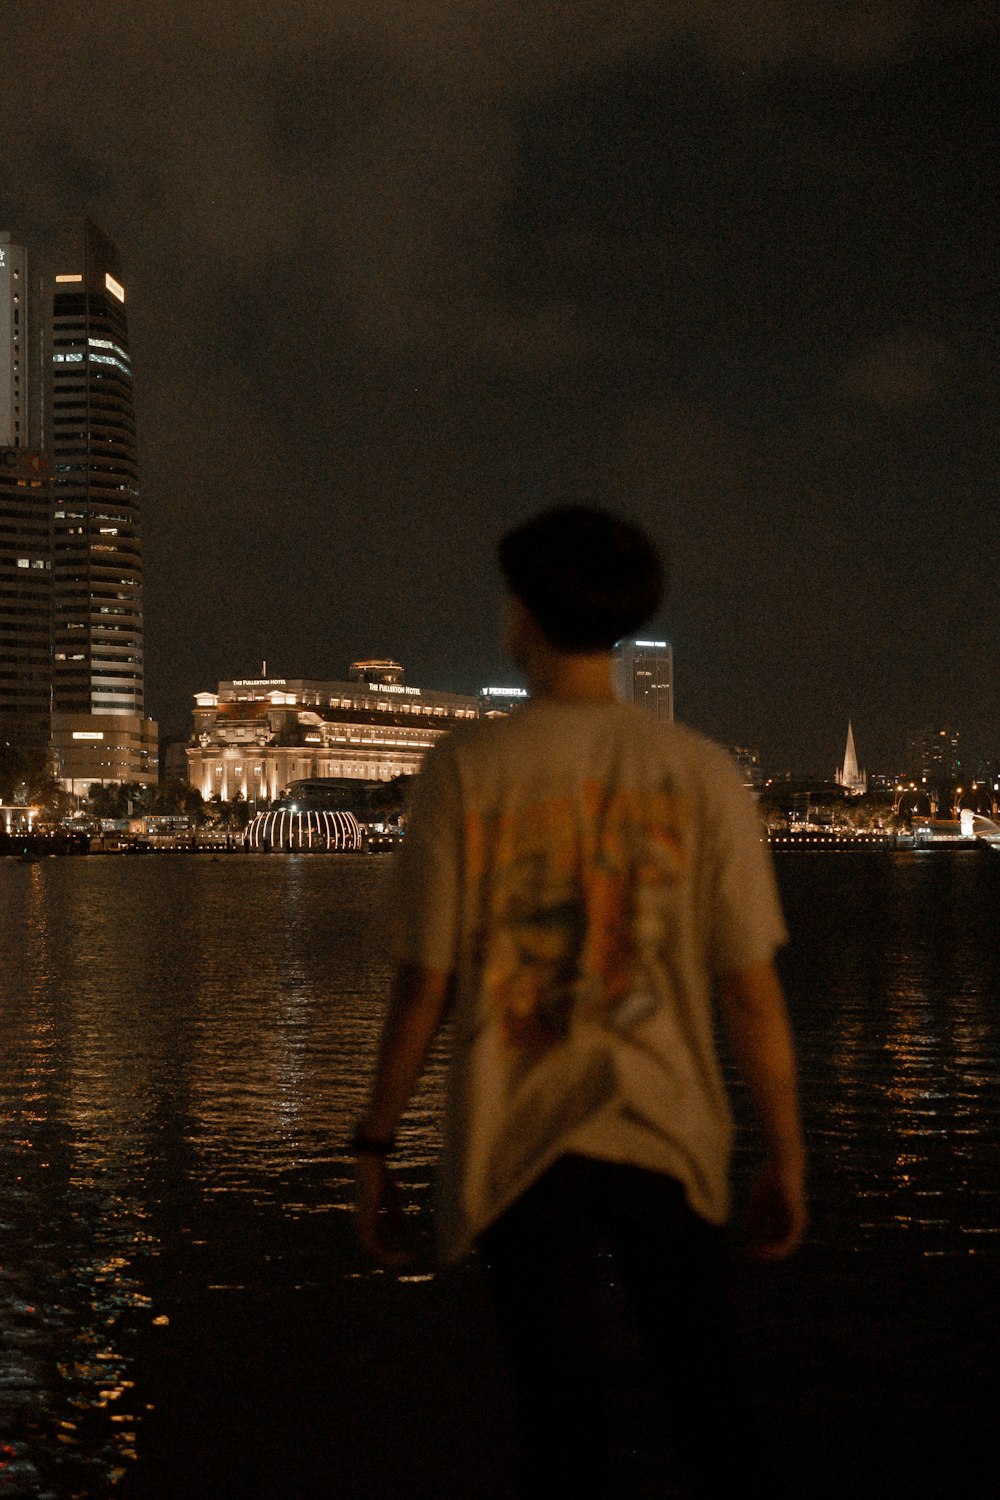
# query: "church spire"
849, 777
850, 757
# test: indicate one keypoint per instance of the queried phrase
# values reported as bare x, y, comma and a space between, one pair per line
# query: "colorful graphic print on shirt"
574, 895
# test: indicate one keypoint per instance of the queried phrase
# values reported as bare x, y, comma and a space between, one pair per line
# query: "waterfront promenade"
874, 1379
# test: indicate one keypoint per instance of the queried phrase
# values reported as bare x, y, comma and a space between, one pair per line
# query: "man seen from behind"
579, 884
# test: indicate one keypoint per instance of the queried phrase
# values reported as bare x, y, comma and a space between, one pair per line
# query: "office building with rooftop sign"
644, 674
495, 702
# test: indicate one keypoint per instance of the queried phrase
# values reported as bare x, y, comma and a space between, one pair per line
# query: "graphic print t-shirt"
584, 872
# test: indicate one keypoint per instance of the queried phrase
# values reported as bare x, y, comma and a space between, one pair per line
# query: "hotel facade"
253, 737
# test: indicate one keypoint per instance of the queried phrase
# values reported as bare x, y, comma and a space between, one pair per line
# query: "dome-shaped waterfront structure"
286, 832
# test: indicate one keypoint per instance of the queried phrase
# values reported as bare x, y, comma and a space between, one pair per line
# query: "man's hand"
416, 1008
753, 1008
776, 1215
380, 1221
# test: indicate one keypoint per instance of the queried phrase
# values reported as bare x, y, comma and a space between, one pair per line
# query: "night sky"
400, 271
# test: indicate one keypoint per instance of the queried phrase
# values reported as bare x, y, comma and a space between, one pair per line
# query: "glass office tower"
99, 732
644, 674
90, 435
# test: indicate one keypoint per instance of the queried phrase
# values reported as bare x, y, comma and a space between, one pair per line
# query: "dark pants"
613, 1300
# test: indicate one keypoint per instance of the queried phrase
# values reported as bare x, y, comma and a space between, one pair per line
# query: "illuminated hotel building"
644, 674
99, 732
25, 540
253, 737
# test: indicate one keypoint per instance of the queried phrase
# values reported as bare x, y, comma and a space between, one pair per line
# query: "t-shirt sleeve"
748, 925
426, 889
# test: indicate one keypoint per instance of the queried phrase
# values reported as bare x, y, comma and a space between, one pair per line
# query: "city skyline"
383, 301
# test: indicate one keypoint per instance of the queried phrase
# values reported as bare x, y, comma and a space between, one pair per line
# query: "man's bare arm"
417, 1004
417, 1007
756, 1019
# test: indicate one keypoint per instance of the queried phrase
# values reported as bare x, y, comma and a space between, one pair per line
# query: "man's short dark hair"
588, 577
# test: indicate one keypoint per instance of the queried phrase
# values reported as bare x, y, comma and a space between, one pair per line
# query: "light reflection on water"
185, 1045
178, 1035
894, 979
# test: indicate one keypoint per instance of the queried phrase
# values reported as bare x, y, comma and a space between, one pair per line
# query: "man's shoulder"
483, 736
686, 749
466, 738
534, 730
703, 752
459, 752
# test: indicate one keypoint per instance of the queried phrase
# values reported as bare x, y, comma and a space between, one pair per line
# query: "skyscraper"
25, 572
13, 344
934, 754
71, 650
90, 434
644, 674
98, 728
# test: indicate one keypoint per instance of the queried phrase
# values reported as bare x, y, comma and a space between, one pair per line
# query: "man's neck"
558, 676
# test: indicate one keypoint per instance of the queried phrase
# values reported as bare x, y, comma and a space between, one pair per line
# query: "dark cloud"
398, 269
906, 368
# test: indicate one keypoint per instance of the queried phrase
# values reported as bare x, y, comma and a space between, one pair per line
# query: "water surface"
185, 1043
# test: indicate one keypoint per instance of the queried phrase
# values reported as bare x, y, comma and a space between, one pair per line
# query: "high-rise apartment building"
25, 537
934, 754
644, 674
